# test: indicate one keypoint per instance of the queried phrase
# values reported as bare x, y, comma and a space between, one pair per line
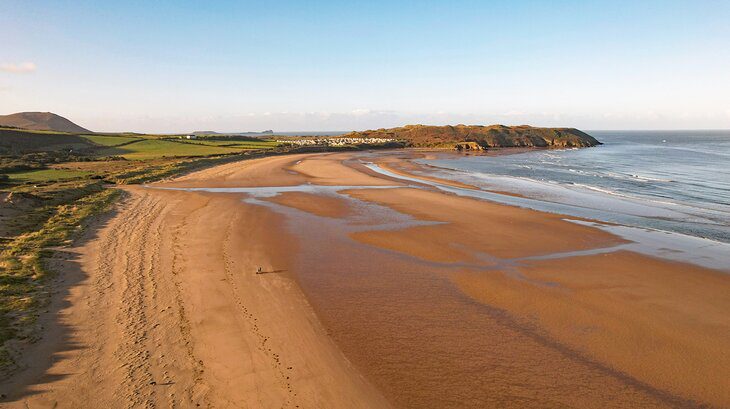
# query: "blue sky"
169, 66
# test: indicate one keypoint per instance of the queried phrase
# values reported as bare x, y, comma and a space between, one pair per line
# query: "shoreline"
665, 244
234, 337
582, 182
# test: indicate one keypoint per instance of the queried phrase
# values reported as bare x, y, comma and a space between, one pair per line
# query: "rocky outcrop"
468, 146
482, 136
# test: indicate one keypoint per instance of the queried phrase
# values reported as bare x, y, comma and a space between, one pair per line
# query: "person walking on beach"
258, 271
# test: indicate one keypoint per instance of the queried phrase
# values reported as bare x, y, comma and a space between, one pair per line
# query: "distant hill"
41, 121
481, 137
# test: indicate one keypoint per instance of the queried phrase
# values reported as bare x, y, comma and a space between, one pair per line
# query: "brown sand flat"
315, 204
474, 226
425, 344
268, 171
328, 169
662, 322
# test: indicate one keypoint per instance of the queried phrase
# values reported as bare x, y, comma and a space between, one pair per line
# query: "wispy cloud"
18, 68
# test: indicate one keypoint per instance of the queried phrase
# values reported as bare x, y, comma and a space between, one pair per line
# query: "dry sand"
422, 300
170, 313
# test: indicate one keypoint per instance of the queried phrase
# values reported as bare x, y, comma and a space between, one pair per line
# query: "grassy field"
110, 140
262, 144
35, 131
45, 175
156, 148
14, 143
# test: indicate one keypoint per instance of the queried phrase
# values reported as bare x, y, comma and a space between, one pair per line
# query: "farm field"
45, 175
155, 148
263, 144
104, 140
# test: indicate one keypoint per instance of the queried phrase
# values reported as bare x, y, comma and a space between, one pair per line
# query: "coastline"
206, 329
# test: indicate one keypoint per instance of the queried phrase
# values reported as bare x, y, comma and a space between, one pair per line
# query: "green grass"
68, 147
37, 131
237, 144
45, 175
110, 140
155, 148
19, 142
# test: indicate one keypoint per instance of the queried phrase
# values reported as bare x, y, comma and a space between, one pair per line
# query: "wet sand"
315, 204
644, 316
383, 293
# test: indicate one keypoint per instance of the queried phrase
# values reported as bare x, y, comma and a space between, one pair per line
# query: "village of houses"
329, 141
336, 141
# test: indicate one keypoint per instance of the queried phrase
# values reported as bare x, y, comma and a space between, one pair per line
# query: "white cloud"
360, 111
19, 68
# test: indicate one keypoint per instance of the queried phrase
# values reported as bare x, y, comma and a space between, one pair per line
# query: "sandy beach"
376, 292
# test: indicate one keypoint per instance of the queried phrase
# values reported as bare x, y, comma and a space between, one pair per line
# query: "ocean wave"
599, 189
637, 177
635, 198
651, 179
549, 190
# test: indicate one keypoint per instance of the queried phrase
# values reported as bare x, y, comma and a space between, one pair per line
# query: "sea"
661, 181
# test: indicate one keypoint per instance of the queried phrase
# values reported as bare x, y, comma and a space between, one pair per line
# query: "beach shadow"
168, 383
271, 272
35, 359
